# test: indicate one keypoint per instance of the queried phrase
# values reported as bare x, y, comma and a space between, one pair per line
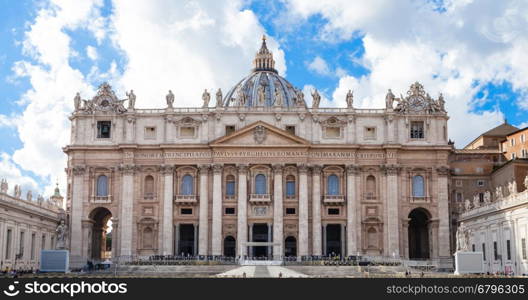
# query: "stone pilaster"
392, 210
127, 208
242, 228
316, 211
278, 223
76, 216
303, 210
217, 210
352, 208
443, 213
167, 224
203, 229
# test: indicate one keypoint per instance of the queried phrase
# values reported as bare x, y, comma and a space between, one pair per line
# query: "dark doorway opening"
333, 239
260, 234
290, 246
419, 234
101, 233
186, 242
229, 246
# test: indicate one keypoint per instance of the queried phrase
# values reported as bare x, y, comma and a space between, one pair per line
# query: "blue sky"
473, 53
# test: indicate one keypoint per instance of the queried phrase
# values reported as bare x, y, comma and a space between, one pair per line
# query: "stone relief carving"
259, 134
105, 101
418, 101
61, 232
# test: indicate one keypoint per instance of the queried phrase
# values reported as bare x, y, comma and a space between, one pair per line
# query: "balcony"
230, 198
333, 199
102, 199
260, 198
149, 196
369, 196
185, 199
419, 199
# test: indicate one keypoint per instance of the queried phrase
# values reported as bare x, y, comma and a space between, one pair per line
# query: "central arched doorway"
260, 234
229, 246
290, 246
419, 233
333, 239
101, 219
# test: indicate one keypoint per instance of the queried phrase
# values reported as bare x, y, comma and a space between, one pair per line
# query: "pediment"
260, 134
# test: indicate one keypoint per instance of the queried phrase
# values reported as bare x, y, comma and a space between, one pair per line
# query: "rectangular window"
43, 243
103, 129
332, 132
512, 142
459, 197
480, 182
523, 138
458, 182
508, 250
8, 244
370, 133
473, 247
333, 211
21, 246
32, 246
290, 210
523, 248
150, 132
187, 132
229, 210
495, 251
186, 211
229, 129
513, 155
290, 129
417, 130
484, 251
479, 170
230, 188
481, 197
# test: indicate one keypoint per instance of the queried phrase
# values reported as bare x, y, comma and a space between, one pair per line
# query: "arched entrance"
290, 246
229, 246
419, 234
101, 233
333, 239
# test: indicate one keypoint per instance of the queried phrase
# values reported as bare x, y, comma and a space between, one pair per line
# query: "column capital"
352, 169
167, 169
242, 168
391, 169
127, 169
79, 170
316, 169
204, 169
277, 168
442, 170
217, 168
303, 168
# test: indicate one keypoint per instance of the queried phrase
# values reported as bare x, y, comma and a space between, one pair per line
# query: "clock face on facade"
416, 103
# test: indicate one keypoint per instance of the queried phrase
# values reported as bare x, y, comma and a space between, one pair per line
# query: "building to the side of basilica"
259, 174
27, 226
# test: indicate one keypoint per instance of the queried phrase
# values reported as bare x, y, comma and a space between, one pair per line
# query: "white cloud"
186, 47
455, 52
319, 66
10, 171
91, 52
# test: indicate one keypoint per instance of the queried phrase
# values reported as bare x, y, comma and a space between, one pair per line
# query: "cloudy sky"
474, 52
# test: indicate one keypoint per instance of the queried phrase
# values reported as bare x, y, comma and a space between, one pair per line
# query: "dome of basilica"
264, 87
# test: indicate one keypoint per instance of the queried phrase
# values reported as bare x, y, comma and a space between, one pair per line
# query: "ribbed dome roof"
264, 87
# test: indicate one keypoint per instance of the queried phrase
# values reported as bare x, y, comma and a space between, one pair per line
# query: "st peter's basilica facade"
259, 174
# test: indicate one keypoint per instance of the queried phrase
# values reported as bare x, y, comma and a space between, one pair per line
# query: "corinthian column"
242, 211
217, 210
392, 210
351, 211
203, 228
316, 210
277, 213
303, 210
127, 208
76, 217
167, 225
